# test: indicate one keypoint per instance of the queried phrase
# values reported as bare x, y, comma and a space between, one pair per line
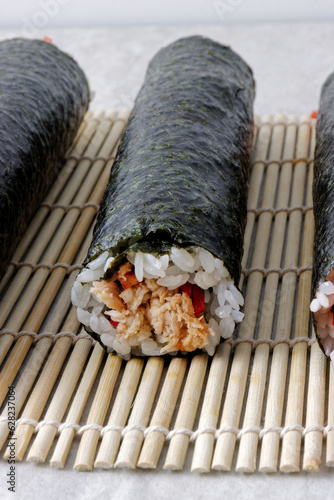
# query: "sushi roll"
44, 96
322, 304
162, 272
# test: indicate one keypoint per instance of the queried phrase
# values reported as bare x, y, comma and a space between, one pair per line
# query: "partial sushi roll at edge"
153, 305
322, 302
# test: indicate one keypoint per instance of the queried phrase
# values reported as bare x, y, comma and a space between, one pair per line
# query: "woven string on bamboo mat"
263, 402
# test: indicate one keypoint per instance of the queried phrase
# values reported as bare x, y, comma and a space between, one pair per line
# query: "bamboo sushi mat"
264, 402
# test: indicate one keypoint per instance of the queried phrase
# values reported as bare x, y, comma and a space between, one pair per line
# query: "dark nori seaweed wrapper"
323, 188
180, 176
43, 98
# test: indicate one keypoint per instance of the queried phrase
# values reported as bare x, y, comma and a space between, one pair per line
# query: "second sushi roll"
162, 272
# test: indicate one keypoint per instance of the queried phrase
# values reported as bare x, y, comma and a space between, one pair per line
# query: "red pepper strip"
198, 299
314, 114
128, 279
114, 323
186, 288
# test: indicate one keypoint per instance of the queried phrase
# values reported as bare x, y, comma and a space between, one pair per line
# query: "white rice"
321, 307
222, 298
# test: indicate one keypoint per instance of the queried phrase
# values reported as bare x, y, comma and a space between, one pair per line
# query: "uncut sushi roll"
162, 272
44, 97
322, 304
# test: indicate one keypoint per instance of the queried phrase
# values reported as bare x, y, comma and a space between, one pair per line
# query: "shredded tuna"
182, 329
146, 307
108, 292
134, 296
123, 270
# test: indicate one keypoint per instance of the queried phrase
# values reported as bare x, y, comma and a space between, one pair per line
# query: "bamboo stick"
63, 446
315, 410
163, 413
43, 441
276, 389
291, 444
262, 139
317, 377
274, 408
50, 290
133, 439
179, 443
210, 409
88, 116
111, 439
290, 454
86, 452
226, 441
330, 420
248, 444
84, 136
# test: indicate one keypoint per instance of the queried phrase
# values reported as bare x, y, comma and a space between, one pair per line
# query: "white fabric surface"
290, 61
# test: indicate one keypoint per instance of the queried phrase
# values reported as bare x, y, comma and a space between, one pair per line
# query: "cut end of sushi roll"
322, 307
154, 305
